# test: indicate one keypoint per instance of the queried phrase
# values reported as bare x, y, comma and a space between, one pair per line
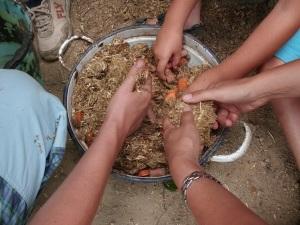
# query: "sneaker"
52, 26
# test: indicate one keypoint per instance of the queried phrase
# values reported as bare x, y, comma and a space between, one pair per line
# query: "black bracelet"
196, 175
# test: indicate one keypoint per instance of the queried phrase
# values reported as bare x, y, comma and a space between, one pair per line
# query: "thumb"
187, 116
129, 83
167, 127
176, 59
203, 95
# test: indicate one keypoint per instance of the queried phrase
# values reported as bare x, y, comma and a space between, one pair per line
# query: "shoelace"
41, 16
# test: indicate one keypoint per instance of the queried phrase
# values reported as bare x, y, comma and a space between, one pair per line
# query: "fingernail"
139, 63
187, 97
187, 108
228, 123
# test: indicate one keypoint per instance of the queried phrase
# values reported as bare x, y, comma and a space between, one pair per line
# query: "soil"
265, 179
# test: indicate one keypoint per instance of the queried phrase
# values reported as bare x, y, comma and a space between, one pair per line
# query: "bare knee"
283, 106
270, 64
287, 111
278, 106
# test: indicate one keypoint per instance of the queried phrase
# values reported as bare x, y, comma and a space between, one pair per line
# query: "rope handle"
66, 44
239, 152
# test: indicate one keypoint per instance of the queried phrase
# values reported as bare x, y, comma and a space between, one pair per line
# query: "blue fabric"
290, 51
13, 208
33, 128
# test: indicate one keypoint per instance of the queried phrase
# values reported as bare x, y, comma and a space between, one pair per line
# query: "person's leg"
194, 17
287, 111
33, 134
51, 24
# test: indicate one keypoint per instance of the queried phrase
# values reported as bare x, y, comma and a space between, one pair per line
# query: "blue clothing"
13, 208
290, 51
33, 134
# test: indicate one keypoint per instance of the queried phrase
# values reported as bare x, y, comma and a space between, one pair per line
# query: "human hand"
167, 48
183, 146
233, 97
205, 80
128, 108
208, 79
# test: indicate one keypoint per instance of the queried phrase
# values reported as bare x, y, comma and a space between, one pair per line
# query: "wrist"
172, 28
111, 125
256, 89
267, 87
181, 167
213, 76
218, 74
172, 24
251, 85
225, 72
111, 138
178, 13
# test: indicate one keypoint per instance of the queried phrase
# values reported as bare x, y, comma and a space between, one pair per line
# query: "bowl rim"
132, 178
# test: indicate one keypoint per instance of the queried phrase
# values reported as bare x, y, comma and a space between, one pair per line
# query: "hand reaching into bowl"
182, 145
128, 108
167, 51
239, 96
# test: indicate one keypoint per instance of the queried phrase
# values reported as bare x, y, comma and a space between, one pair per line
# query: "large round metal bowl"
199, 54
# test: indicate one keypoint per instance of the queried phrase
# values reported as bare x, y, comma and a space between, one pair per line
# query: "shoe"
52, 26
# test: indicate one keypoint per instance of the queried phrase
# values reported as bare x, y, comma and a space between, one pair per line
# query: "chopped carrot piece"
158, 172
182, 84
183, 61
144, 173
171, 95
77, 118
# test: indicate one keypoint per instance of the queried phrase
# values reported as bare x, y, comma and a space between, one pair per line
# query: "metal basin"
199, 54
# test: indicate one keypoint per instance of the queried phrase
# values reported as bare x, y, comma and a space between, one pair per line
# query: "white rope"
65, 45
241, 150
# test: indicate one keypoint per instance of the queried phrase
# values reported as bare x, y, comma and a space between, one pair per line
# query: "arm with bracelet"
208, 200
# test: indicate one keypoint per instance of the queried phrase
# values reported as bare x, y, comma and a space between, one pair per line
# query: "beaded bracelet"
192, 177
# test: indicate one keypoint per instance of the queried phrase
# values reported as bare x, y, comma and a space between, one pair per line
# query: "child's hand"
128, 108
210, 79
167, 48
206, 80
233, 97
184, 141
183, 146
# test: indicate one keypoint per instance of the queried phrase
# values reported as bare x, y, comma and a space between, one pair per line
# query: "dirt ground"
265, 179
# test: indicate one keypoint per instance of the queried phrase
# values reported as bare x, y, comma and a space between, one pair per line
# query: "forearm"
211, 203
178, 13
267, 38
77, 199
280, 82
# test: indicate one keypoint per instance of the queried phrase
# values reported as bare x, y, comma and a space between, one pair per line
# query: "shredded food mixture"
143, 152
